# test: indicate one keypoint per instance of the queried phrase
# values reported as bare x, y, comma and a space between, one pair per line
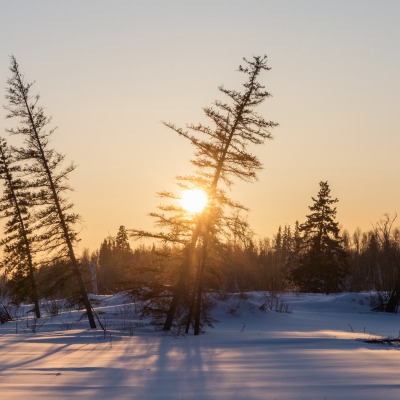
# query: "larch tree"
42, 165
220, 155
322, 265
19, 239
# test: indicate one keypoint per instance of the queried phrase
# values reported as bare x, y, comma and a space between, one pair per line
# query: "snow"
317, 350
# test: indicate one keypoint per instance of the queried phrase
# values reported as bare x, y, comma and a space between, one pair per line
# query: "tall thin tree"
18, 240
42, 165
221, 155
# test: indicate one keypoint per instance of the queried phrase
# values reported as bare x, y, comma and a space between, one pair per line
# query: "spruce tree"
106, 262
122, 256
42, 165
121, 240
322, 265
18, 241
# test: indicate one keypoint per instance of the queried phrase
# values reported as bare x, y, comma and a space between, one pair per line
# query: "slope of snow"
316, 351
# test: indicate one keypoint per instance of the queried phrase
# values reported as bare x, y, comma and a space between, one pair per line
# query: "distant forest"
370, 262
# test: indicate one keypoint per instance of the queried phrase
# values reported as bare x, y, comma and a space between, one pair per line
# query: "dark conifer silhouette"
19, 239
42, 166
322, 266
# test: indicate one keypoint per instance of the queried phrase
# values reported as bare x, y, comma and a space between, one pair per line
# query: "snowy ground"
316, 351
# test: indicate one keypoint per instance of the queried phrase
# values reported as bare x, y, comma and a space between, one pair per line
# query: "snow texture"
314, 351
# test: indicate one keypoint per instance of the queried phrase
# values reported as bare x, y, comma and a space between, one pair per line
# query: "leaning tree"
42, 166
221, 155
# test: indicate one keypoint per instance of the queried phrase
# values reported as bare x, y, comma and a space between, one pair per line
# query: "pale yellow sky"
110, 72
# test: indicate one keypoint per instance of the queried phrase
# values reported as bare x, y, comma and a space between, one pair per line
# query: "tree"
106, 263
19, 239
115, 257
121, 240
221, 155
388, 239
42, 166
88, 263
322, 265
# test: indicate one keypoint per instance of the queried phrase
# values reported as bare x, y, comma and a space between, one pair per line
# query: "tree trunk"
35, 292
203, 224
200, 280
180, 286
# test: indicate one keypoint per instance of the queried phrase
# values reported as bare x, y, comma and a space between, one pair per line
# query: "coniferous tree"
105, 263
322, 266
115, 257
42, 166
294, 254
287, 244
221, 154
123, 256
121, 240
278, 246
18, 241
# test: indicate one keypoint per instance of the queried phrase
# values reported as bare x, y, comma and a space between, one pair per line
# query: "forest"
192, 254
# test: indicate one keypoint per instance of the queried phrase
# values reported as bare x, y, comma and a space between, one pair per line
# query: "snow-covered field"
316, 351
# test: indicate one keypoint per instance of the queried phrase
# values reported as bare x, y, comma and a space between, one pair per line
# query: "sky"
109, 73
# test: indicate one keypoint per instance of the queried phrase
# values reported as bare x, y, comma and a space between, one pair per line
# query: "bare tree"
388, 239
42, 165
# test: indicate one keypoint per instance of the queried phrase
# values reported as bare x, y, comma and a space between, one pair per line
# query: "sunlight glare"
193, 200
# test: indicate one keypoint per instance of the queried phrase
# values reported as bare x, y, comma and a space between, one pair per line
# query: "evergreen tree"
42, 166
121, 240
18, 241
221, 155
322, 266
297, 239
278, 245
123, 256
105, 261
115, 256
287, 244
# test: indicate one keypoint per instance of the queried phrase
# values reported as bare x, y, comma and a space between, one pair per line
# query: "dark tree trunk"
200, 284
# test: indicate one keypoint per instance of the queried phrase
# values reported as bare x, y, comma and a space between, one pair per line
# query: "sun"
193, 200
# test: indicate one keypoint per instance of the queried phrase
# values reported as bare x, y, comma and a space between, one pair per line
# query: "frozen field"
316, 351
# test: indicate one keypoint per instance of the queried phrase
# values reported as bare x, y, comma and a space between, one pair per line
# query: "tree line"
192, 255
315, 256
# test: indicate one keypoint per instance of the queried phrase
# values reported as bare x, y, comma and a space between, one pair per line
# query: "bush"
6, 311
273, 302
